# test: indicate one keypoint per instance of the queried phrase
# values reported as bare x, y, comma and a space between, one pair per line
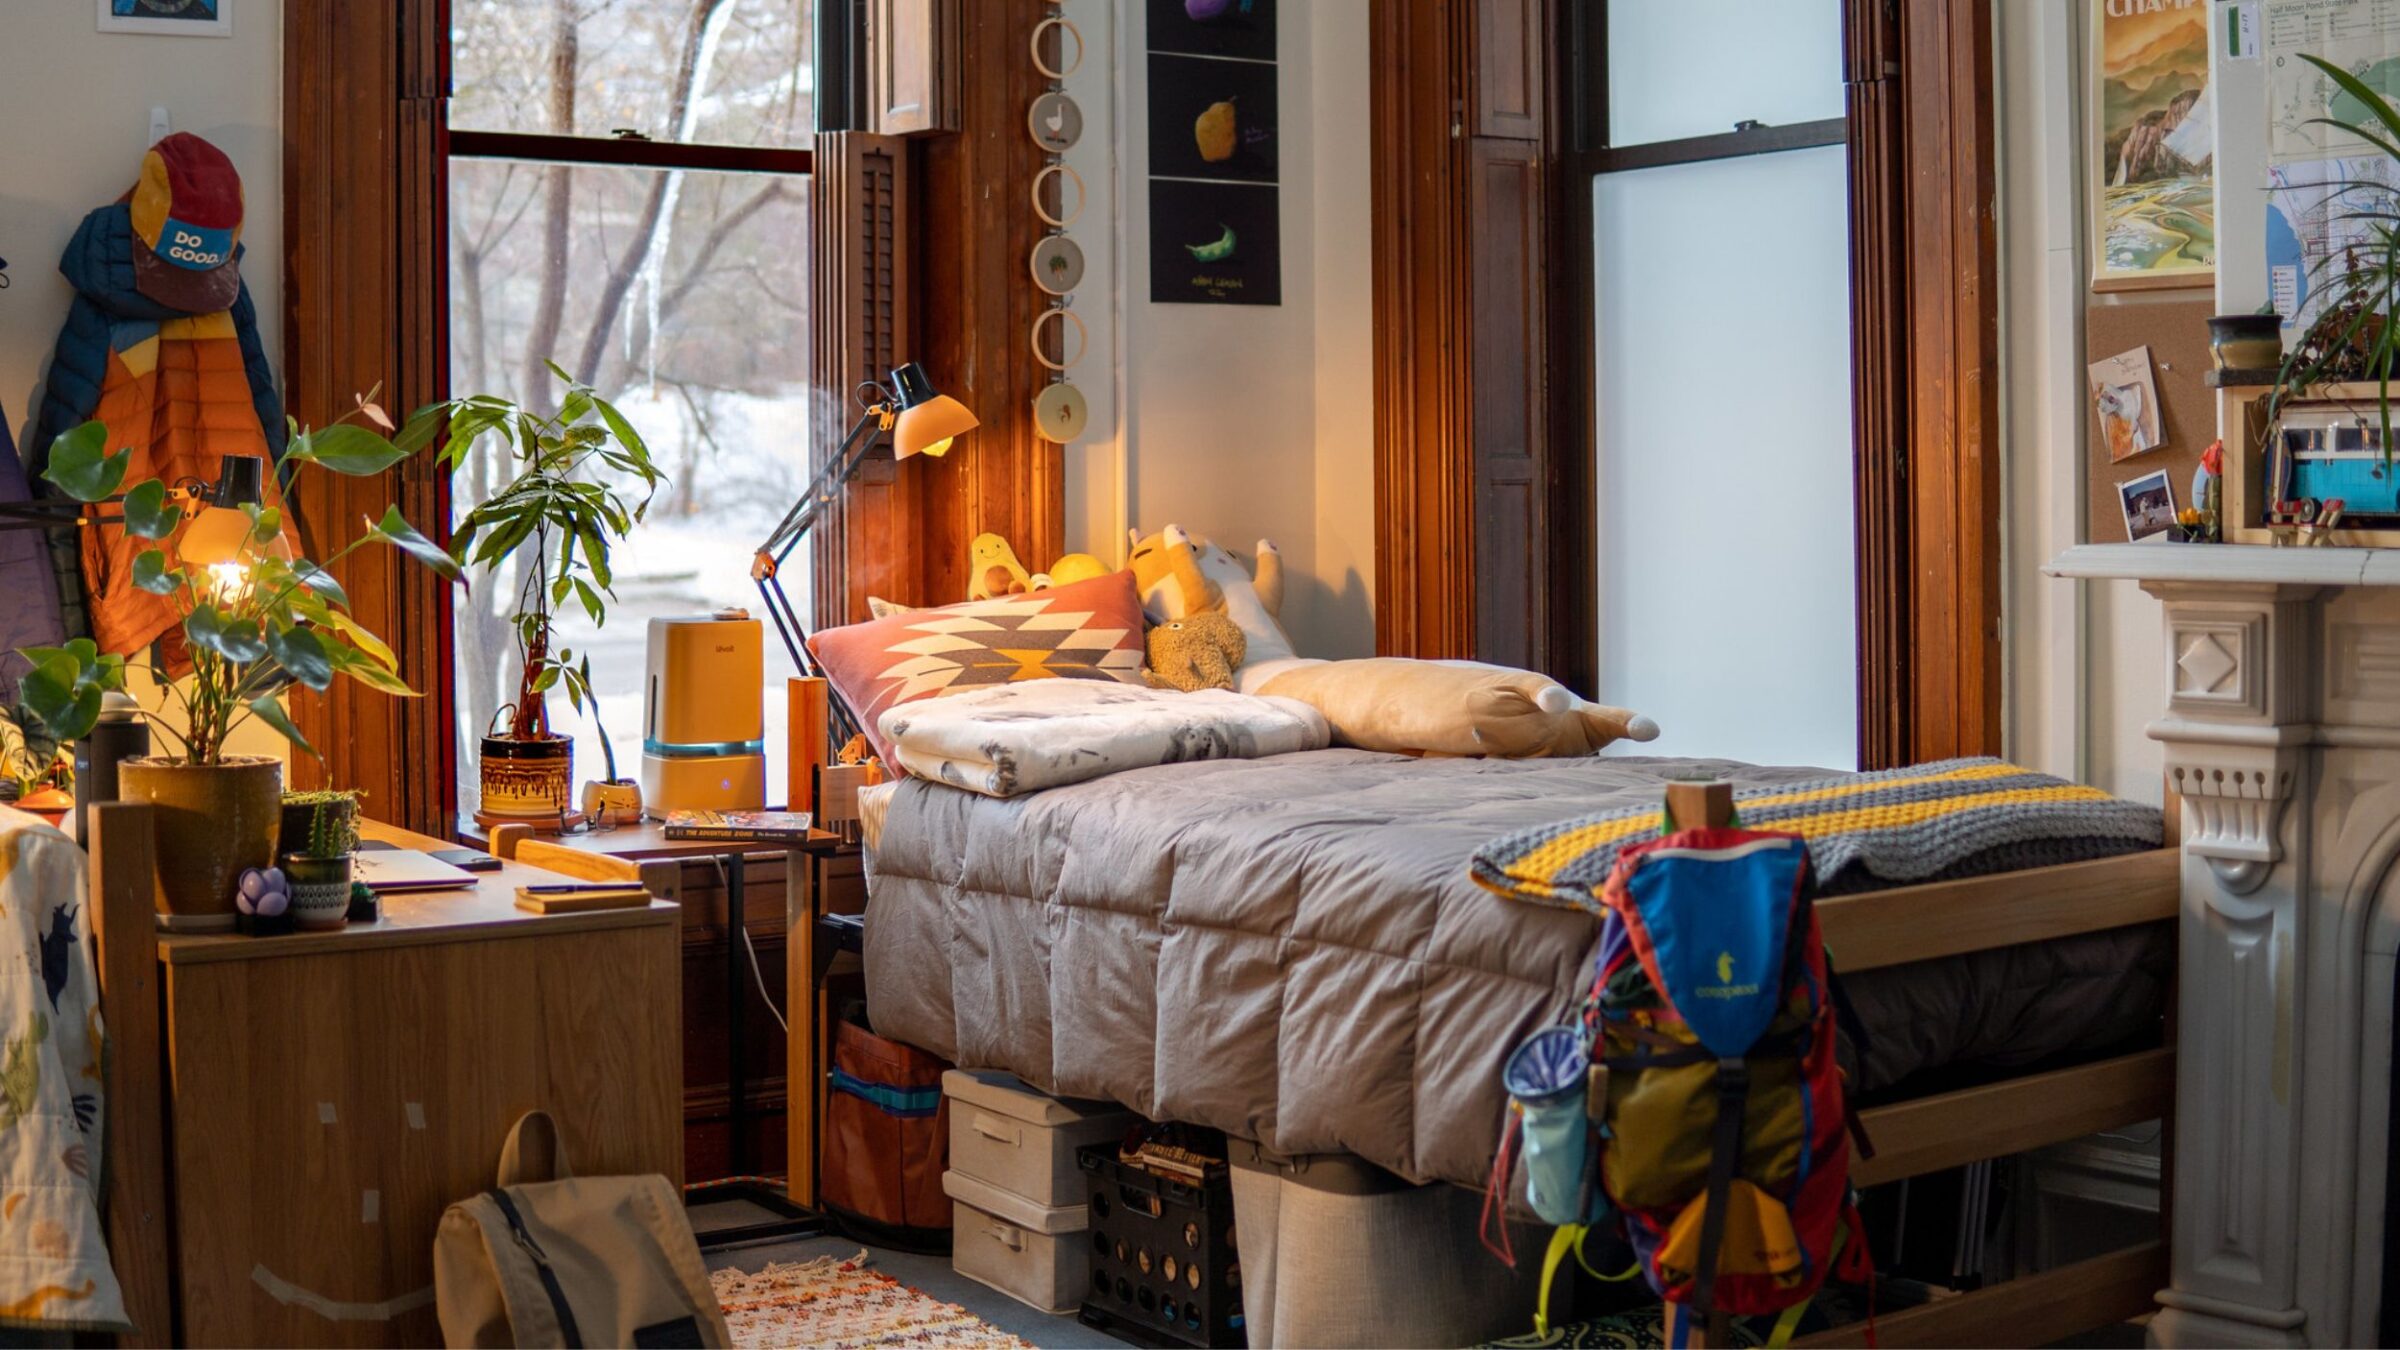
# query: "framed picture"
2149, 503
167, 18
2153, 153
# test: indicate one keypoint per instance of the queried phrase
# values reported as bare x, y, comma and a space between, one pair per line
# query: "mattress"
1291, 949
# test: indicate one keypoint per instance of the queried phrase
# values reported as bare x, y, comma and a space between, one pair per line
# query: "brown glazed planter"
532, 778
214, 821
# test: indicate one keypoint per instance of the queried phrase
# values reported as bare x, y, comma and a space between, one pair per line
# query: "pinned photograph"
2125, 394
2149, 503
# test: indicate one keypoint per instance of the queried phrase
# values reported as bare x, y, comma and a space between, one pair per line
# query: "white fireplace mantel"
2282, 737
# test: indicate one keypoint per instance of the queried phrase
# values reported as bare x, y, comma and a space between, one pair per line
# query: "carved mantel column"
2282, 735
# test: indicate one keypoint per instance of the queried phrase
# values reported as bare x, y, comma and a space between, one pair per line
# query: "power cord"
757, 976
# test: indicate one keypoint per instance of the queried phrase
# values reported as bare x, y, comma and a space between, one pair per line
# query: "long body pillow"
1015, 738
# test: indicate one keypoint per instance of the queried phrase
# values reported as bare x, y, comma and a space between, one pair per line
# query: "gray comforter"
1290, 949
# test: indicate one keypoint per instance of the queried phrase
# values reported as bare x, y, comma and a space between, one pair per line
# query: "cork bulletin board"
2174, 326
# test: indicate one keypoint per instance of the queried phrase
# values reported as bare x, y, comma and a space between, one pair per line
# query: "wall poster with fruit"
1215, 207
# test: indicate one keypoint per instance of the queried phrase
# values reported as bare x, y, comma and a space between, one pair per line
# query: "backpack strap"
1846, 1017
1724, 1155
557, 1294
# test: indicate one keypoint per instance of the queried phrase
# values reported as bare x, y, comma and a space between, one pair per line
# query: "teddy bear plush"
1195, 652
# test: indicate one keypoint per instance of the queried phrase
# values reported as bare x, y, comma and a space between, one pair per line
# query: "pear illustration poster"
1215, 207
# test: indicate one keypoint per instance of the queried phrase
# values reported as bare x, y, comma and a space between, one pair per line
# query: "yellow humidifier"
703, 720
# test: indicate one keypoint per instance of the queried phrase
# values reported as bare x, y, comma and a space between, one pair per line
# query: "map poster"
2325, 186
2153, 199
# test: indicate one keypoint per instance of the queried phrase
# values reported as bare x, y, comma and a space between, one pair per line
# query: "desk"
647, 841
331, 1093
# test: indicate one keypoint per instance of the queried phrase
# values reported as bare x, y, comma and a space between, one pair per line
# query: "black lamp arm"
766, 565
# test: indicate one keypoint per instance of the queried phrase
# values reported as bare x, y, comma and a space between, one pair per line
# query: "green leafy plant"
254, 625
2355, 336
565, 505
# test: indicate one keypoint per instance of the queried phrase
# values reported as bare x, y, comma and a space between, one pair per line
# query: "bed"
1289, 949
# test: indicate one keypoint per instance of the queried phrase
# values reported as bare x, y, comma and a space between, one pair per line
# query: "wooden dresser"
329, 1095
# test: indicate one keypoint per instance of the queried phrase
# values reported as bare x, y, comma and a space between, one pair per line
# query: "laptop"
390, 871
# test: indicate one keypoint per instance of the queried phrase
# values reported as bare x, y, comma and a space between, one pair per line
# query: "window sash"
627, 152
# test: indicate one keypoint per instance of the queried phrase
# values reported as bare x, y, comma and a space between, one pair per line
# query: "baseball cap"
187, 218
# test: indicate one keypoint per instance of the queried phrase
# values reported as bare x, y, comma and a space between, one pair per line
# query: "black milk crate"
1164, 1269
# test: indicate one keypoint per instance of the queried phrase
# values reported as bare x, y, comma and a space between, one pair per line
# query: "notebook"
387, 871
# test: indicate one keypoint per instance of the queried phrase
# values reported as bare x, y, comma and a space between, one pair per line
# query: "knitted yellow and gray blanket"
1895, 827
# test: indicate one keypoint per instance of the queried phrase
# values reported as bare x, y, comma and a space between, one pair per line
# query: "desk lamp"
922, 422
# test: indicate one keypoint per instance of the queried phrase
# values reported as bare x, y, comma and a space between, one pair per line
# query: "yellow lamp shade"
214, 536
927, 428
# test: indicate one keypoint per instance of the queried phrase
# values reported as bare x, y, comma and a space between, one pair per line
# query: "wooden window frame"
1925, 341
367, 150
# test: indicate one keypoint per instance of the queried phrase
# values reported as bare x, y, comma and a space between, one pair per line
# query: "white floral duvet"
1005, 740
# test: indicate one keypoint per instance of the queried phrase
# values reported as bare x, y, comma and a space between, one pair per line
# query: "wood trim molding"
1925, 379
1424, 470
861, 322
365, 84
920, 248
976, 302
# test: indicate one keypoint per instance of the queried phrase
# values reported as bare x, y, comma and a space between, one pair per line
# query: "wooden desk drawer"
327, 1107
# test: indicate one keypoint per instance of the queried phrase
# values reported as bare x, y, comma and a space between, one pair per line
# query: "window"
628, 191
1721, 311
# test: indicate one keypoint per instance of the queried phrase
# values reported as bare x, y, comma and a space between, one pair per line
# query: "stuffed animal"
1178, 573
1198, 651
1452, 708
993, 569
1073, 568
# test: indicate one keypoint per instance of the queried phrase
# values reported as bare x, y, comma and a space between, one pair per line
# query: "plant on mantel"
564, 507
2355, 336
255, 624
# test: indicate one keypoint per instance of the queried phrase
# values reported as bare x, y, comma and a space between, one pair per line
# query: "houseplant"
255, 624
563, 508
2354, 336
319, 837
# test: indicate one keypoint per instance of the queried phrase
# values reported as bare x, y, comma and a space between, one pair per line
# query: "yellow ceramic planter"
213, 822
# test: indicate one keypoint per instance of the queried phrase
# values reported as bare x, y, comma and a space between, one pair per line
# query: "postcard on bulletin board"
2125, 394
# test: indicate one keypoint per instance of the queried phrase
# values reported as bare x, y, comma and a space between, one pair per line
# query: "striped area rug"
838, 1302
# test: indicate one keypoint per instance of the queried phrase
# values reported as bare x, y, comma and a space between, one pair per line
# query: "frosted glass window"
1679, 68
1722, 304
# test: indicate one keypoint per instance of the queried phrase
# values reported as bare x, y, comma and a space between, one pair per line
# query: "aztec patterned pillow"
1091, 630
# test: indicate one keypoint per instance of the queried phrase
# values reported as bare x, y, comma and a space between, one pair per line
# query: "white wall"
74, 120
1238, 422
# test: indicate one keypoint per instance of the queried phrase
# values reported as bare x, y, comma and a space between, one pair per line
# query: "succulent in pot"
255, 620
565, 505
320, 835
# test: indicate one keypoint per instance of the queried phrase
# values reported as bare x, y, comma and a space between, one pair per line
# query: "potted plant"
2353, 336
319, 836
563, 504
255, 622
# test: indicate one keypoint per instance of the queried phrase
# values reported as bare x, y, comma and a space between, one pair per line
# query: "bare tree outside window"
679, 293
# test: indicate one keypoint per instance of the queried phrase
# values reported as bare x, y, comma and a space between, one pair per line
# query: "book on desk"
774, 827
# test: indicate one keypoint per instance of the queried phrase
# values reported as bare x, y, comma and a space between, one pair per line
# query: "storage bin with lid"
1005, 1133
1032, 1253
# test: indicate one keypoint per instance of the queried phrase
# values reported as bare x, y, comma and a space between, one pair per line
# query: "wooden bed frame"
123, 907
1995, 1120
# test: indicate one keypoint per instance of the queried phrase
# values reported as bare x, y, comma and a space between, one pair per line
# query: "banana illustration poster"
1215, 203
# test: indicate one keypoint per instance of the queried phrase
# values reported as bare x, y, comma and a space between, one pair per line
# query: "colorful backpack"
1719, 1131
